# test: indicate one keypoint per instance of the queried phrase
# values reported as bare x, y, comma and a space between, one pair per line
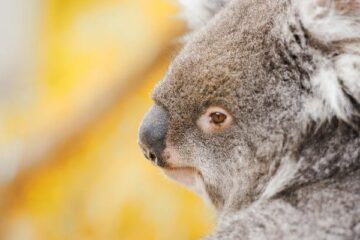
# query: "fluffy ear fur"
198, 12
335, 26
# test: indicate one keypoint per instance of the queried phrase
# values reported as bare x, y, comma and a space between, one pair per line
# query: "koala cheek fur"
287, 165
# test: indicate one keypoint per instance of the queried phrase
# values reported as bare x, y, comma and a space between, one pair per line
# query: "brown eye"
214, 120
217, 117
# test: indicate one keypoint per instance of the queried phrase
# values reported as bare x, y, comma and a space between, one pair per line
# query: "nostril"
152, 157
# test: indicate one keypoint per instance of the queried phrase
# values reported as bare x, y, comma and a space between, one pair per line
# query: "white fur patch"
198, 12
316, 110
194, 13
330, 20
348, 69
326, 84
283, 175
336, 78
329, 84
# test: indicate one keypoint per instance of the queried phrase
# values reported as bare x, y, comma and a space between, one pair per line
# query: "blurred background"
75, 81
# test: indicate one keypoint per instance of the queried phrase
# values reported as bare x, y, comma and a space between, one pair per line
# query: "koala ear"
336, 81
330, 20
198, 12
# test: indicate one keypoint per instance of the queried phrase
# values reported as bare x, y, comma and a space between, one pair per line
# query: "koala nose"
152, 134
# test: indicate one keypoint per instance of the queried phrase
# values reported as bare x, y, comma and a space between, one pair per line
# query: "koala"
259, 114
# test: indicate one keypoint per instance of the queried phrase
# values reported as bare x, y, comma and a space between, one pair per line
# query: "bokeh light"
75, 81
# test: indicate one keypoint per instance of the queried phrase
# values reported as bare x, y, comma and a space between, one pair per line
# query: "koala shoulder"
327, 210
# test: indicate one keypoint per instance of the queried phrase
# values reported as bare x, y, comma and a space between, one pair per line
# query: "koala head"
235, 104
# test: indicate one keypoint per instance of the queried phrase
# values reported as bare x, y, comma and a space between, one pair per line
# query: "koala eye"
214, 120
218, 117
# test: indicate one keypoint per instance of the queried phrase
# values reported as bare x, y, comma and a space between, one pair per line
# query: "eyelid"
216, 103
213, 109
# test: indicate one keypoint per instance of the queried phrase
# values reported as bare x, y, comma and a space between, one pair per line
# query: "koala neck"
329, 151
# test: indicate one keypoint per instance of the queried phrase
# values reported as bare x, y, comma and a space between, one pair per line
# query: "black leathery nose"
152, 134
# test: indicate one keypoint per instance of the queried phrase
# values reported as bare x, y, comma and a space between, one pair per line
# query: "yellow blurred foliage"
99, 60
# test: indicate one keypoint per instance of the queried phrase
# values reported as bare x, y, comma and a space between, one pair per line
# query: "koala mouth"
187, 176
174, 169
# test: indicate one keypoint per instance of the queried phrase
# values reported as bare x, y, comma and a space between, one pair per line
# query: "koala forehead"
228, 61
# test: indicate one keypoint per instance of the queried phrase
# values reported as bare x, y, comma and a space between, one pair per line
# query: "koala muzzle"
152, 134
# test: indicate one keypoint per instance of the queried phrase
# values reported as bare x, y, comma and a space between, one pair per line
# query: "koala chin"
259, 113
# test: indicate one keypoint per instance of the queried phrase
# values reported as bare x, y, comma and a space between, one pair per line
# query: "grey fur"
278, 172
